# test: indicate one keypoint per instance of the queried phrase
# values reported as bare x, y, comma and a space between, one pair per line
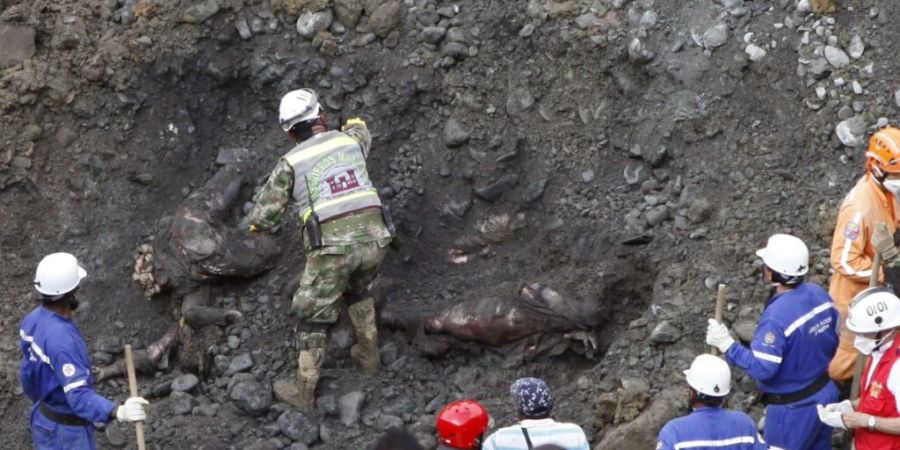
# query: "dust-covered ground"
643, 149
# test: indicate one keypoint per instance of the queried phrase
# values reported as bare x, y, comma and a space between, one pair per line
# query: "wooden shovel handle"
133, 390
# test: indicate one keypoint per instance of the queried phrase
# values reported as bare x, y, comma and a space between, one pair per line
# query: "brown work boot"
301, 393
365, 352
823, 6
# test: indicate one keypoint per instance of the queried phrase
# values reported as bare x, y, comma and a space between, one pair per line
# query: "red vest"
877, 400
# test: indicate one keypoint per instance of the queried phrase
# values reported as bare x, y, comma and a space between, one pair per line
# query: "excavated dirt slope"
643, 149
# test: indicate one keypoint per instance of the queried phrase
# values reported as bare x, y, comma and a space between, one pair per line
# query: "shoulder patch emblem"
769, 338
851, 231
659, 445
68, 370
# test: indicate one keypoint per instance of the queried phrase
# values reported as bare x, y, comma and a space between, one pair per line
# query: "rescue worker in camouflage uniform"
326, 174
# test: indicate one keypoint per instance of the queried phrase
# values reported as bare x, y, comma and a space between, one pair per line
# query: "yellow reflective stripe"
335, 201
317, 150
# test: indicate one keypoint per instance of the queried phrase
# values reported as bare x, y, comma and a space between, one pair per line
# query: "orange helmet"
884, 151
462, 424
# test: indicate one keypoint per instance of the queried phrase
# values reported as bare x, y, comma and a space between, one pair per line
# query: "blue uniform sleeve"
665, 440
763, 358
760, 443
74, 375
25, 372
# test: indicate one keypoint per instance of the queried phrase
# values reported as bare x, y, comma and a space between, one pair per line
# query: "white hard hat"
786, 255
298, 106
872, 310
709, 375
58, 274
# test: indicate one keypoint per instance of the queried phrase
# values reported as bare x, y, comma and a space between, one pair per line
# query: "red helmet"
462, 424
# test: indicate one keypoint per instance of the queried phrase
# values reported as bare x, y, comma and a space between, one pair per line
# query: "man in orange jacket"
866, 223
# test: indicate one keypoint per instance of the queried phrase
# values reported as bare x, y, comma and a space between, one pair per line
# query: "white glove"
842, 407
132, 410
831, 418
717, 335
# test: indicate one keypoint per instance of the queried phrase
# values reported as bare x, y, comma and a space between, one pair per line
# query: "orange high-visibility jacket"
851, 257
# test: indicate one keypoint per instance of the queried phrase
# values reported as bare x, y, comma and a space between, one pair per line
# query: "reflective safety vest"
876, 399
333, 165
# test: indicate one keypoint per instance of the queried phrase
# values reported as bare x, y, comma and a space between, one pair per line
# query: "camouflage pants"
332, 271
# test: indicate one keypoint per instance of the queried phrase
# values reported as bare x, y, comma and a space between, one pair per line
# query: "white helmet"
872, 310
709, 375
58, 274
786, 255
298, 106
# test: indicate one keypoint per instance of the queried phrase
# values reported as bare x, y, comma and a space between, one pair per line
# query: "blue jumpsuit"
711, 428
796, 337
56, 370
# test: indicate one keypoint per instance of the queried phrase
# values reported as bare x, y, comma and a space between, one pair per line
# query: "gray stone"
240, 363
465, 377
587, 176
897, 97
454, 134
385, 17
715, 36
527, 30
519, 101
459, 208
243, 28
185, 382
182, 403
116, 435
745, 329
856, 48
535, 190
819, 68
388, 353
16, 45
385, 422
433, 35
350, 406
585, 21
310, 23
251, 397
836, 57
69, 33
852, 131
348, 12
755, 52
665, 333
657, 215
297, 427
700, 210
655, 155
492, 192
200, 12
455, 50
635, 173
208, 410
327, 404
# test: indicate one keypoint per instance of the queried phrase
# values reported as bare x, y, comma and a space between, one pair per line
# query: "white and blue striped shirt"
543, 431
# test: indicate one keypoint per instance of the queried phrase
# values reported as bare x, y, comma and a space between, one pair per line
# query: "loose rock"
836, 57
296, 426
200, 12
251, 397
454, 134
665, 333
310, 23
852, 131
350, 405
386, 17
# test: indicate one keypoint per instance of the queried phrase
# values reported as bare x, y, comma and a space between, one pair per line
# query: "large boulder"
641, 433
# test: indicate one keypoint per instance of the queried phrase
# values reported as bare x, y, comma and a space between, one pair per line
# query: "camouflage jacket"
272, 201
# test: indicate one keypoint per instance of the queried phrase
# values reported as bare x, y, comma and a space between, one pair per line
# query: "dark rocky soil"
644, 147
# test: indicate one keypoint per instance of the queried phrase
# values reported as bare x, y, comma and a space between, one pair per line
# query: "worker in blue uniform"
56, 371
795, 339
709, 426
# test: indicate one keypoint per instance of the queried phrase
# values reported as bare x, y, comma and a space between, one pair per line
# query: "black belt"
784, 399
62, 419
